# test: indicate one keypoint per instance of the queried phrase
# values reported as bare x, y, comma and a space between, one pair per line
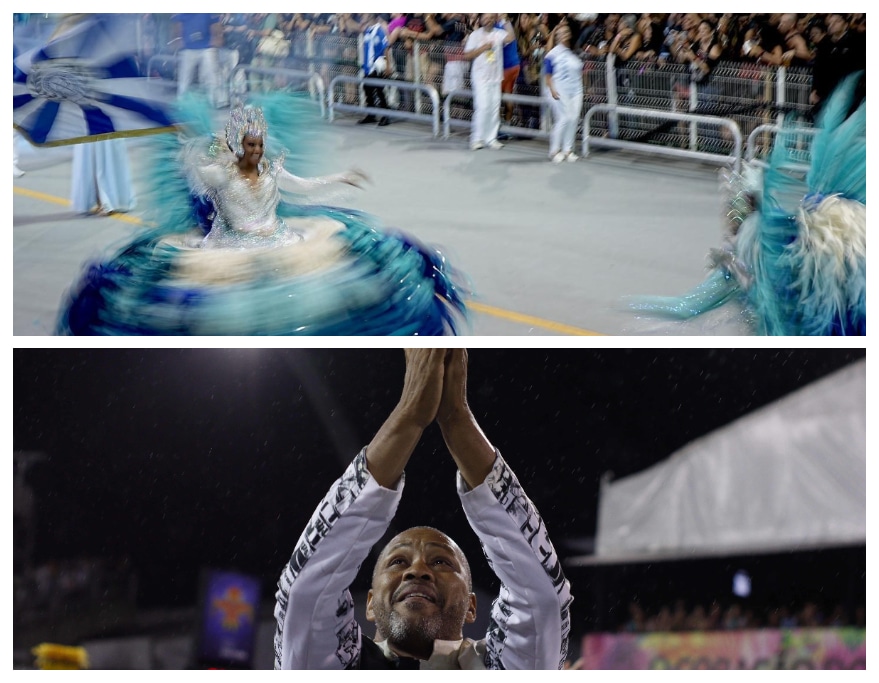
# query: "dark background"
179, 459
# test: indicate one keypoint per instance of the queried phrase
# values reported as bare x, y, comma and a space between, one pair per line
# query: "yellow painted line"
531, 320
33, 194
501, 313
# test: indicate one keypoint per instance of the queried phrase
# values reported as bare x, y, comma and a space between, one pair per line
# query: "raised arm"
530, 620
314, 610
391, 448
473, 453
292, 183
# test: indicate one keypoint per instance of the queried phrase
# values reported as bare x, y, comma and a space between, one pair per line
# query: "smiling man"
422, 593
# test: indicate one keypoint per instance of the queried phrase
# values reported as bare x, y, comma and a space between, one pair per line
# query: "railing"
798, 141
430, 91
312, 81
734, 159
750, 95
449, 120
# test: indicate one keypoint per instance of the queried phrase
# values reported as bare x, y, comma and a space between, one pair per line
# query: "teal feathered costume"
796, 249
228, 256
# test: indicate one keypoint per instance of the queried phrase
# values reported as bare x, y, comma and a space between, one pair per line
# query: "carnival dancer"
422, 593
230, 256
794, 256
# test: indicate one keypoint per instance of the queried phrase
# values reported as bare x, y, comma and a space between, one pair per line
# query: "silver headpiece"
244, 121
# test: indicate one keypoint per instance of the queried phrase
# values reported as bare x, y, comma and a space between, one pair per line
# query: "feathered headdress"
243, 121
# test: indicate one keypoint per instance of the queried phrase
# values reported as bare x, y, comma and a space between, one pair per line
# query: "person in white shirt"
564, 80
422, 594
485, 48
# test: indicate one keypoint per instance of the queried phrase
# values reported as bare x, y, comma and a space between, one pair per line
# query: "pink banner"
830, 648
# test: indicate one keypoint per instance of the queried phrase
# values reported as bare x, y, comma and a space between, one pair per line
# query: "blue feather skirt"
330, 271
344, 277
799, 262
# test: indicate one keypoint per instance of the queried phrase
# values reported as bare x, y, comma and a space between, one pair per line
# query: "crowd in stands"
831, 42
738, 616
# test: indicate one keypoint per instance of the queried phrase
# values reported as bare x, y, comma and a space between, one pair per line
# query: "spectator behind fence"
702, 55
484, 47
763, 43
531, 49
796, 49
564, 80
652, 39
816, 32
271, 49
627, 41
201, 35
455, 28
600, 39
841, 53
512, 67
375, 65
238, 36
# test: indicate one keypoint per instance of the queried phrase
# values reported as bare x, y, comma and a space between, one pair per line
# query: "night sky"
180, 459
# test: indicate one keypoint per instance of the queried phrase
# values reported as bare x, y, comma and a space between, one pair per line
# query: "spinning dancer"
421, 594
256, 264
795, 252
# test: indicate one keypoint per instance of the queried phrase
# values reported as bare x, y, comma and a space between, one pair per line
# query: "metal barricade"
522, 131
747, 93
309, 80
734, 159
332, 55
430, 91
798, 142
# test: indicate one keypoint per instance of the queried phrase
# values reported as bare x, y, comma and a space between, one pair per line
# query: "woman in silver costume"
231, 256
244, 186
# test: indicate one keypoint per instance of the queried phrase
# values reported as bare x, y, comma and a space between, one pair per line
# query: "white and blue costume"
566, 70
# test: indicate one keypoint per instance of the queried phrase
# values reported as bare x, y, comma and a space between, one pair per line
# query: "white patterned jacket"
530, 619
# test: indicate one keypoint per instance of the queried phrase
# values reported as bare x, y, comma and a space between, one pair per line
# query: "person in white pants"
564, 80
101, 178
485, 47
202, 35
16, 171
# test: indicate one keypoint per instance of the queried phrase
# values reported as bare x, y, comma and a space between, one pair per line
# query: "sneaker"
494, 144
16, 171
558, 157
476, 145
367, 119
571, 157
384, 121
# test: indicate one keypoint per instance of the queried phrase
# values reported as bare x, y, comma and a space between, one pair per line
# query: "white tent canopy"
791, 475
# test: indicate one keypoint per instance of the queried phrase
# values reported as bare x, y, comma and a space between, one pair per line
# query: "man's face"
487, 20
836, 25
787, 22
420, 592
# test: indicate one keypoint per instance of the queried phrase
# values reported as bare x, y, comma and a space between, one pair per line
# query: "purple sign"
229, 610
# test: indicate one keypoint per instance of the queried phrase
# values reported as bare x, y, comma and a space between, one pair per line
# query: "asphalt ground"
549, 249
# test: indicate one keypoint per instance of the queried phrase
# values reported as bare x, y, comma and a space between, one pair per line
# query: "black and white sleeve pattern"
530, 619
314, 609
